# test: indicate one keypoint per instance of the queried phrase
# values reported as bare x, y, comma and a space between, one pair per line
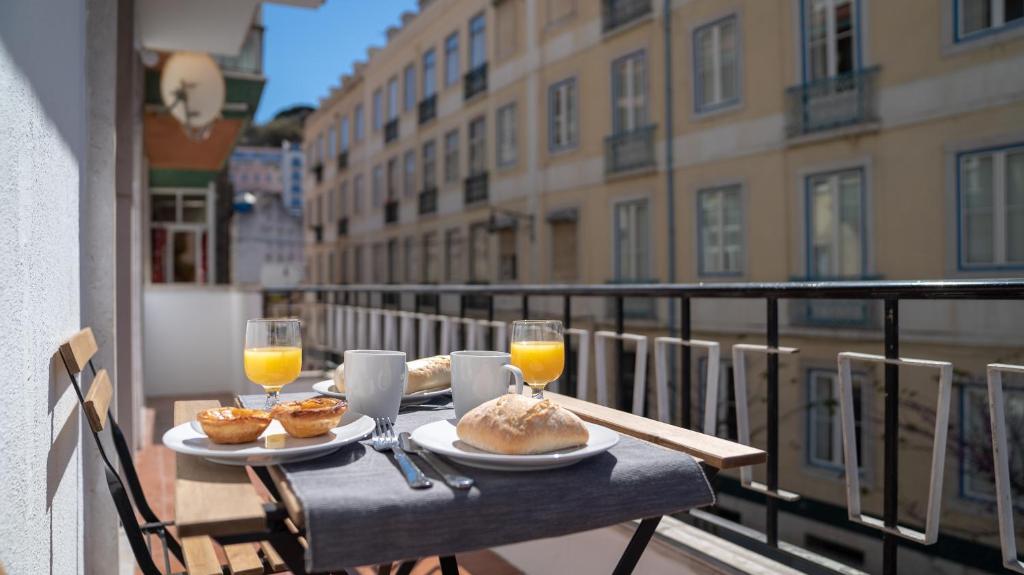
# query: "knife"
450, 476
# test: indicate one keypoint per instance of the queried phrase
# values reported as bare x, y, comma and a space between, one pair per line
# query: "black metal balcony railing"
343, 160
629, 151
476, 188
475, 81
391, 131
318, 172
428, 201
391, 212
686, 395
343, 227
832, 103
617, 13
428, 109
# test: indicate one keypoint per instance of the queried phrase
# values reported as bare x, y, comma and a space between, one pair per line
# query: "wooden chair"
196, 553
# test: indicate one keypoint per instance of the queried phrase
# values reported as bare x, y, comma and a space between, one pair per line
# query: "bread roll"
519, 425
425, 374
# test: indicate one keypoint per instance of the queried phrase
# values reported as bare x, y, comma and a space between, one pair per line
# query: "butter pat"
275, 441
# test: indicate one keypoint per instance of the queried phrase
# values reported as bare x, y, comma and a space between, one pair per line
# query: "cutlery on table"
385, 439
454, 479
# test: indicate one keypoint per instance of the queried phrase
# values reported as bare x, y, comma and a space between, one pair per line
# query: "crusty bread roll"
519, 425
424, 374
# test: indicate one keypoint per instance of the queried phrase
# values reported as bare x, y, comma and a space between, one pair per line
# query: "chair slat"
200, 556
79, 349
274, 560
243, 559
97, 400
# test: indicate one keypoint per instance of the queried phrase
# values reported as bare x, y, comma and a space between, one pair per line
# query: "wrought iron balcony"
476, 188
475, 81
391, 131
629, 151
428, 201
318, 172
342, 227
428, 109
343, 160
391, 212
832, 103
618, 13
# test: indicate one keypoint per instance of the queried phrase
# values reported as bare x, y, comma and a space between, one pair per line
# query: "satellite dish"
192, 88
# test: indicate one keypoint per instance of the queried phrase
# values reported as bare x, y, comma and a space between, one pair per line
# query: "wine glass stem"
272, 399
538, 392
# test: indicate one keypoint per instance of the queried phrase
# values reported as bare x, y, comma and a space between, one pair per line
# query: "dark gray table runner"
359, 511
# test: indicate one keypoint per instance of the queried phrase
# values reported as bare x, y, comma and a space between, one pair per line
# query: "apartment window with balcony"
430, 268
429, 165
506, 29
824, 424
977, 480
452, 71
409, 84
451, 156
392, 179
179, 236
720, 231
409, 174
378, 109
357, 194
393, 98
477, 41
343, 134
562, 119
990, 204
453, 256
377, 186
629, 92
477, 137
632, 241
506, 135
429, 73
507, 251
830, 38
564, 252
330, 206
480, 256
360, 123
716, 65
836, 244
980, 17
343, 205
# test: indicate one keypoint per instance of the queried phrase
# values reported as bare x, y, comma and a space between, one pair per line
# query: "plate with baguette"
516, 433
429, 377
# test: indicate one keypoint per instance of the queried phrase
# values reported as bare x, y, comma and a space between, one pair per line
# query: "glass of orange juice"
538, 350
273, 354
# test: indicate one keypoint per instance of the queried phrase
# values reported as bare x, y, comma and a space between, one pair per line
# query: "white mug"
375, 381
480, 376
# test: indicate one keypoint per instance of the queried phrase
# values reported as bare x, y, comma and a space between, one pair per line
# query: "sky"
307, 50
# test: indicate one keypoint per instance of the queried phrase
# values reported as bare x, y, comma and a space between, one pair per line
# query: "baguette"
425, 374
519, 425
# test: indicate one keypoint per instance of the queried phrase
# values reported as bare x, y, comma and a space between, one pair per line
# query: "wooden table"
221, 501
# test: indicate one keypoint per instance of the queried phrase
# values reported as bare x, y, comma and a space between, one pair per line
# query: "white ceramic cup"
480, 376
375, 381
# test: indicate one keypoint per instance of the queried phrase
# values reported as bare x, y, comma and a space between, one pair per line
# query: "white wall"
193, 339
42, 156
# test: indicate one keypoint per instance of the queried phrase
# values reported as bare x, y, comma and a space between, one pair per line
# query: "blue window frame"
824, 440
716, 65
429, 74
976, 482
629, 92
830, 36
990, 208
974, 19
720, 241
563, 108
452, 71
835, 230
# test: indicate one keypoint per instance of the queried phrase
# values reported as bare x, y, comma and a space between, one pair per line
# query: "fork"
385, 439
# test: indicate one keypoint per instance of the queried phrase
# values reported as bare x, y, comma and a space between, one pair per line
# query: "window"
319, 148
392, 269
430, 265
357, 195
429, 73
411, 272
560, 10
343, 200
343, 134
451, 59
357, 265
991, 208
980, 16
824, 424
378, 263
454, 265
830, 38
716, 65
480, 257
409, 178
330, 206
720, 231
393, 98
343, 266
629, 93
360, 122
506, 29
429, 165
562, 110
331, 152
377, 186
378, 109
632, 251
409, 80
977, 480
506, 137
564, 252
179, 234
451, 156
392, 180
507, 255
835, 234
477, 42
477, 136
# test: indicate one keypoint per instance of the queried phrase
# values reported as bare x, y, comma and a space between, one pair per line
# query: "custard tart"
309, 417
233, 424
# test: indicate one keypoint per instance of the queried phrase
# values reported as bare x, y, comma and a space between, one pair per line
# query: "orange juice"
540, 361
273, 367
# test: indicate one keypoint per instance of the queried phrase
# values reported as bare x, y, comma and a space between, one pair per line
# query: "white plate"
326, 387
189, 438
441, 438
